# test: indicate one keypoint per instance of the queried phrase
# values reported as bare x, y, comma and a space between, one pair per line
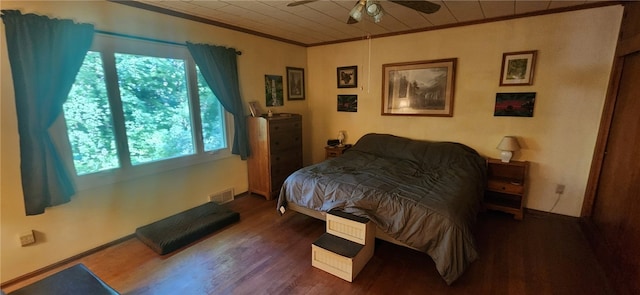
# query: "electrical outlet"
27, 238
560, 189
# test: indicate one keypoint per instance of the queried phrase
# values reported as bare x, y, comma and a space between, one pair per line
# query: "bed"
421, 194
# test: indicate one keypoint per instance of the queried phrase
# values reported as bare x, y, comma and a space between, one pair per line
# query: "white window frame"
112, 44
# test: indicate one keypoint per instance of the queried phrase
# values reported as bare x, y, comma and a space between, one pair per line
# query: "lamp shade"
508, 145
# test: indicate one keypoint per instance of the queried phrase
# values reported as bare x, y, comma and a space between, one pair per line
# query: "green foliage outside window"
156, 107
213, 130
88, 119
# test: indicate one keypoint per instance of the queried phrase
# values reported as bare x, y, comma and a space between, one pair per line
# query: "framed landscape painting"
517, 68
273, 90
518, 104
422, 88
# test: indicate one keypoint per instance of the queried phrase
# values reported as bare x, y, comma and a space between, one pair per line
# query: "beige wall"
575, 54
98, 216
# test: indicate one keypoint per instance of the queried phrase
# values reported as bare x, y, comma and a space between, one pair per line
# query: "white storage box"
353, 228
346, 247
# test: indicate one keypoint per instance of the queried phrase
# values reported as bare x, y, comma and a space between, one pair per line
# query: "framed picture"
422, 88
514, 104
273, 90
254, 109
295, 83
517, 68
348, 77
347, 103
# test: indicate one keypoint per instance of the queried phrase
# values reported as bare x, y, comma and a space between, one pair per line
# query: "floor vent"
222, 197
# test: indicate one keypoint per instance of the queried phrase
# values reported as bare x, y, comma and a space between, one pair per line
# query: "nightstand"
335, 151
506, 186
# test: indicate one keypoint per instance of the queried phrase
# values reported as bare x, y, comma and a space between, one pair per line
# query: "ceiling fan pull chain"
369, 66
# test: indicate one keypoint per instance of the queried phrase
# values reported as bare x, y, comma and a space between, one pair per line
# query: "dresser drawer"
505, 187
283, 164
287, 161
332, 153
285, 125
279, 176
281, 141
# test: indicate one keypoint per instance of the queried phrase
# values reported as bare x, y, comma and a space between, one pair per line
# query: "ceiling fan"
374, 9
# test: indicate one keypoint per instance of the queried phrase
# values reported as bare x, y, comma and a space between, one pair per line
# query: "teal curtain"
45, 56
219, 68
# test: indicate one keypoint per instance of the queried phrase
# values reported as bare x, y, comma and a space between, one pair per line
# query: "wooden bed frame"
322, 216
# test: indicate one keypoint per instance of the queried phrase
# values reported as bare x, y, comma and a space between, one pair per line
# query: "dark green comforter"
424, 194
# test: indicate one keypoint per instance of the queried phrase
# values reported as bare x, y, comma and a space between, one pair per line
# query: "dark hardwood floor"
266, 253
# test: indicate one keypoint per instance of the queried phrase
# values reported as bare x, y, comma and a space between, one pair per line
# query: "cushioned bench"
171, 233
75, 280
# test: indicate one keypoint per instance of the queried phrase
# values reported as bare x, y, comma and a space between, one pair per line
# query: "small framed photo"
347, 103
254, 109
295, 83
421, 88
517, 68
273, 90
514, 104
348, 77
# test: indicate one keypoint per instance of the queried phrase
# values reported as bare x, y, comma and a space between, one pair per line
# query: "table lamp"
508, 145
341, 138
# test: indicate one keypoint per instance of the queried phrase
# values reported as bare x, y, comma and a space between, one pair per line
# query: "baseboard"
538, 213
78, 256
63, 262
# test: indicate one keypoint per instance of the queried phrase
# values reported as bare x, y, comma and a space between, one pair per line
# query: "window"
139, 107
88, 118
154, 99
212, 114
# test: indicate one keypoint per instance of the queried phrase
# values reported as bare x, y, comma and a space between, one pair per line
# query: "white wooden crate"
346, 267
353, 228
346, 247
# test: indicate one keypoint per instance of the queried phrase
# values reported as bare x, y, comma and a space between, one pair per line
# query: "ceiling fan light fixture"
378, 17
374, 9
356, 11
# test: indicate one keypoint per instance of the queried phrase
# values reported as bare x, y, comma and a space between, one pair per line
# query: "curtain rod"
146, 39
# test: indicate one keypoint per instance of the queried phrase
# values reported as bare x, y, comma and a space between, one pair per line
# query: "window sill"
109, 177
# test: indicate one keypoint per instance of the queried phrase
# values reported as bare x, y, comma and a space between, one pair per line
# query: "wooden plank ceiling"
325, 21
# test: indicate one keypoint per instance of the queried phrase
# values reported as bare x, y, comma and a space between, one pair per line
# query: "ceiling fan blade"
302, 2
420, 6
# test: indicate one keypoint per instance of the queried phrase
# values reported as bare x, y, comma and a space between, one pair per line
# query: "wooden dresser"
276, 152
